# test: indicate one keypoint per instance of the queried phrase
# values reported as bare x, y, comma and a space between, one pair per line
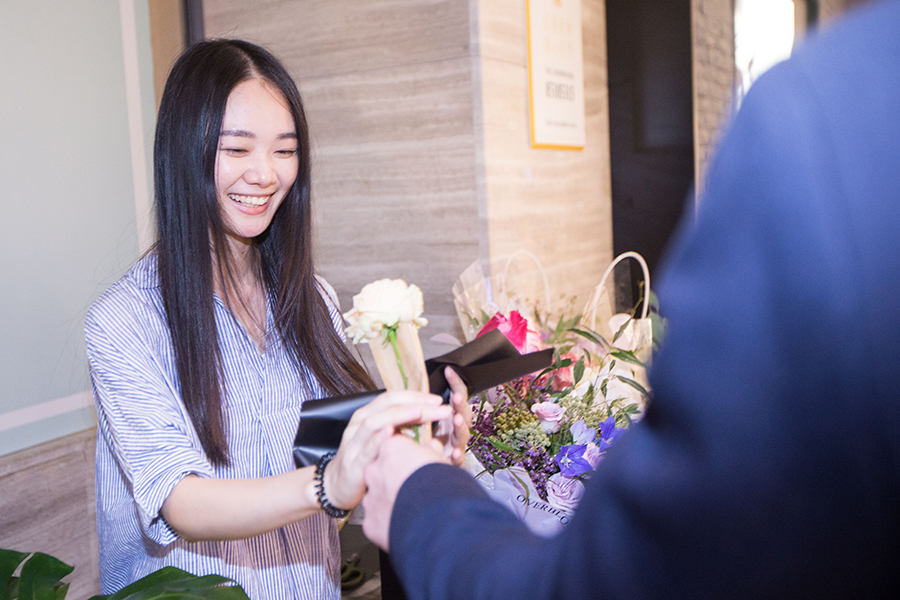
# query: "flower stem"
392, 338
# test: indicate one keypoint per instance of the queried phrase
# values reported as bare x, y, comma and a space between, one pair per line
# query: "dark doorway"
650, 122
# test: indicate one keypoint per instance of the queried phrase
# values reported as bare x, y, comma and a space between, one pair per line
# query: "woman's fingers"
462, 418
385, 400
395, 416
457, 385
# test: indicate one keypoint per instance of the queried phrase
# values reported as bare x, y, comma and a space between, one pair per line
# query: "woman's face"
256, 163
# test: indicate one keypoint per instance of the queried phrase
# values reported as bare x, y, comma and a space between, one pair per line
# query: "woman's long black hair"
190, 227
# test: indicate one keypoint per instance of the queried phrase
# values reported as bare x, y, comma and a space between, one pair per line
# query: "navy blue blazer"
768, 464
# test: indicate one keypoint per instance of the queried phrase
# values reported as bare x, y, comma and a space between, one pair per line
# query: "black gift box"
485, 362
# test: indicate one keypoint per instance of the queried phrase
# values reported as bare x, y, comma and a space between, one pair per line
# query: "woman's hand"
368, 427
452, 443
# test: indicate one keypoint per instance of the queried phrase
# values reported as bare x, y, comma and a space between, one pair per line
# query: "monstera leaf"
170, 583
41, 575
39, 579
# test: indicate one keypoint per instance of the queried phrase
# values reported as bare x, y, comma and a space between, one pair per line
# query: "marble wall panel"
553, 203
394, 177
325, 37
54, 481
387, 87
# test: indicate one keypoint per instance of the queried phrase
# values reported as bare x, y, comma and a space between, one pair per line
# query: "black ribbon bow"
483, 363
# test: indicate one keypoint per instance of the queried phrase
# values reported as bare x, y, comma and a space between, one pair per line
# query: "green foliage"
9, 562
41, 575
39, 579
170, 583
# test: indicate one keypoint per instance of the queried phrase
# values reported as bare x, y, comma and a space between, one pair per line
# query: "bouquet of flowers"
536, 439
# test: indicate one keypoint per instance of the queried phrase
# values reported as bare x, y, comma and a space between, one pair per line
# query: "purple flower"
593, 455
571, 460
609, 433
550, 414
564, 492
581, 434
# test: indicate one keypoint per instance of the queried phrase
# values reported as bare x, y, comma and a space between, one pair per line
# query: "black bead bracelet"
331, 511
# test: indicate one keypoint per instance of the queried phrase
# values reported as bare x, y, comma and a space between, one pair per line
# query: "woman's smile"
256, 164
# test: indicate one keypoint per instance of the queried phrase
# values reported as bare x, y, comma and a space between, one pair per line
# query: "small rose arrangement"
387, 315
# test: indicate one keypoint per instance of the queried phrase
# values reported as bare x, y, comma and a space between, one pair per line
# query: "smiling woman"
256, 164
203, 354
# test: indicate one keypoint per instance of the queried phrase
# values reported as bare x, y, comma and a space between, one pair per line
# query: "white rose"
383, 304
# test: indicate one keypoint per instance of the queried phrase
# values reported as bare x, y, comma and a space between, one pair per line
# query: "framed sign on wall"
555, 74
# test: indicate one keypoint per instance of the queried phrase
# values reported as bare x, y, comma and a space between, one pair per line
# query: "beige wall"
554, 203
388, 94
419, 118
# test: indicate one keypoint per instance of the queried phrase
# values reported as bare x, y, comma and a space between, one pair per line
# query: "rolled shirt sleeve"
141, 418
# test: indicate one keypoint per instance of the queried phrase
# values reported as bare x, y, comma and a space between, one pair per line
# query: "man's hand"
398, 458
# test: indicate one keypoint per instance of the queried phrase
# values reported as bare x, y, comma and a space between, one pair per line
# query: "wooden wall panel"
47, 505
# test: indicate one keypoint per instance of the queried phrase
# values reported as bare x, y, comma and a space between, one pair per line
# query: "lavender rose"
550, 414
564, 492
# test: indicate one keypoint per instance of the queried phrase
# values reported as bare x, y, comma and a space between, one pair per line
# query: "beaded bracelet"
331, 511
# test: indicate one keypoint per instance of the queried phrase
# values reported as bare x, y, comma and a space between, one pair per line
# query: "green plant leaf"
627, 356
9, 562
501, 446
61, 591
578, 370
622, 329
40, 577
634, 384
591, 335
171, 583
13, 587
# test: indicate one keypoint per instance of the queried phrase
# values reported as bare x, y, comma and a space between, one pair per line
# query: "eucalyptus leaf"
496, 444
622, 329
592, 336
627, 356
9, 562
40, 577
578, 370
634, 384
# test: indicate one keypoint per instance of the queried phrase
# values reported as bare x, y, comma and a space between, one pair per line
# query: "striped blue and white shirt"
146, 444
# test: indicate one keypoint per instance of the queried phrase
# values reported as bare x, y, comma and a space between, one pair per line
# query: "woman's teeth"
250, 200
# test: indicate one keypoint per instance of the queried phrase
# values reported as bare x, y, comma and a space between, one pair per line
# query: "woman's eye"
234, 151
286, 152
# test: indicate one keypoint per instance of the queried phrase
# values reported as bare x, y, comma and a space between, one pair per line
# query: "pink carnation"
517, 330
564, 492
550, 414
